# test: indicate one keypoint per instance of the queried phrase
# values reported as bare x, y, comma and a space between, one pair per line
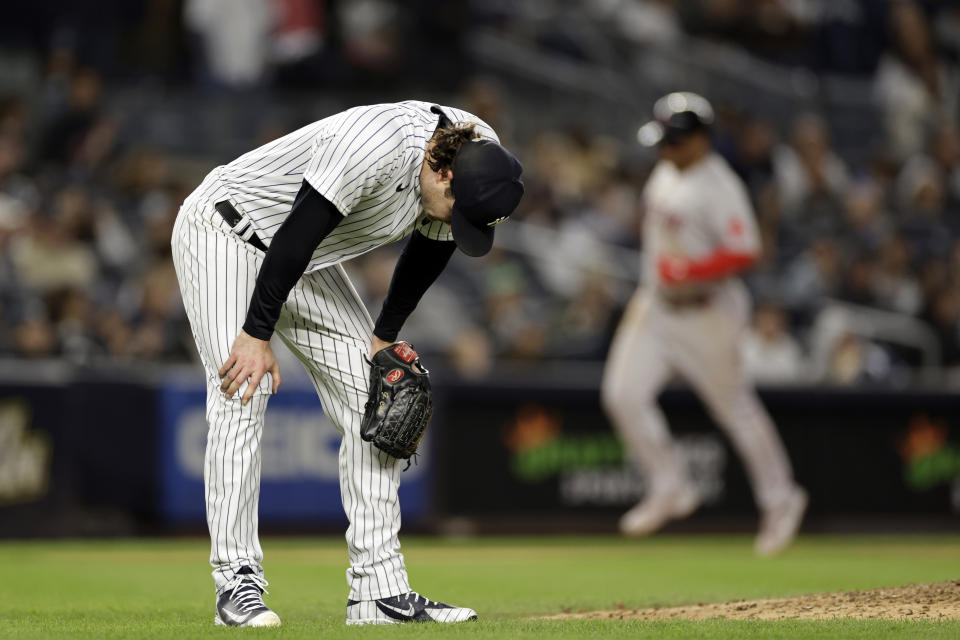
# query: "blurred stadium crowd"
860, 279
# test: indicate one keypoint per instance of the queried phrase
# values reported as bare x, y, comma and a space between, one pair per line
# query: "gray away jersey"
365, 160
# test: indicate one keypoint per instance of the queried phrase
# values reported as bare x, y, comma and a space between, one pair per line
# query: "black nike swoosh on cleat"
395, 613
410, 614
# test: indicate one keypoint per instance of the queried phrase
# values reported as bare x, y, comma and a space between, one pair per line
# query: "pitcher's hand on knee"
250, 359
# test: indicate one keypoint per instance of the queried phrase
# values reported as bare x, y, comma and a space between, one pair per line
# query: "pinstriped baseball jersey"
365, 160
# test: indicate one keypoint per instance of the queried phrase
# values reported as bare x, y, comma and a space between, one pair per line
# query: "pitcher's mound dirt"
940, 601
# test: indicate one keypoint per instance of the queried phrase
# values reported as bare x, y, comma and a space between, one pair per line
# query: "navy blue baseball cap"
675, 116
486, 189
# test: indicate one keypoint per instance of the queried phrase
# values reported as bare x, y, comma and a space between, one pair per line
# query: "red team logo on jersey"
736, 228
394, 375
672, 221
405, 351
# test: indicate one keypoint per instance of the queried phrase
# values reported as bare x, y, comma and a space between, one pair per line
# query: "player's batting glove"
399, 401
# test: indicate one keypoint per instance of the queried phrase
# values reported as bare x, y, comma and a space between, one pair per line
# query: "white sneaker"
409, 607
658, 509
779, 524
240, 604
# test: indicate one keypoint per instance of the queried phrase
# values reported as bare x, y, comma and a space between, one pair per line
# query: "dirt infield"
939, 601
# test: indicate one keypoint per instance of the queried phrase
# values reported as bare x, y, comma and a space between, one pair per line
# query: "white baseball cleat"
240, 604
658, 509
779, 524
408, 607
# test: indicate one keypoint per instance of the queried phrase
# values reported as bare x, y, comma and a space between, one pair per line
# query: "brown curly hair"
447, 142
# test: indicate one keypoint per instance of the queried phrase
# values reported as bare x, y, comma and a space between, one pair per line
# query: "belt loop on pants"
232, 217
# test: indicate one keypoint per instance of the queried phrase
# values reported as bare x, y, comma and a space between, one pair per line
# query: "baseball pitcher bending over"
258, 248
687, 319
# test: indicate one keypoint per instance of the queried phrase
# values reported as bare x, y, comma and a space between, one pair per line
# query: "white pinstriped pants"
326, 325
702, 345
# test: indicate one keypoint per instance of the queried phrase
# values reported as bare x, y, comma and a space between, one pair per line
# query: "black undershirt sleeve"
311, 220
419, 265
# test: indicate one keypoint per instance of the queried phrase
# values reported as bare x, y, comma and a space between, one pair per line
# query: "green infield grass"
162, 588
